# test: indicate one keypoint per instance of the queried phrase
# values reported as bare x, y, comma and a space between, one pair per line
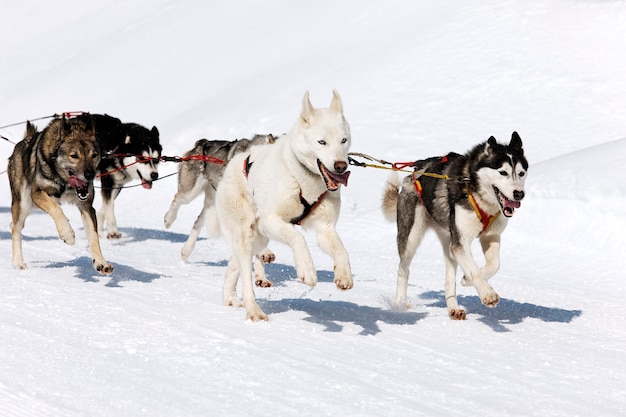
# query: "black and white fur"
129, 152
494, 175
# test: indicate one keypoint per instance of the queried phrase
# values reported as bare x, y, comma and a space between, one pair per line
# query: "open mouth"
332, 179
508, 206
144, 182
81, 186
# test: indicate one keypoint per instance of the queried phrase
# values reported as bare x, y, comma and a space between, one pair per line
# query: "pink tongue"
145, 184
511, 204
76, 183
339, 178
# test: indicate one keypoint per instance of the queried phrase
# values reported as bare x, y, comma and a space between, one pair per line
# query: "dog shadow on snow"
331, 314
85, 271
506, 313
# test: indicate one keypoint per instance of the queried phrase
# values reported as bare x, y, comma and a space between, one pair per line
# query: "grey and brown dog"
53, 166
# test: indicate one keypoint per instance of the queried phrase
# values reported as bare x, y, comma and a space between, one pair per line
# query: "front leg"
42, 200
106, 214
330, 242
276, 228
90, 223
462, 254
452, 304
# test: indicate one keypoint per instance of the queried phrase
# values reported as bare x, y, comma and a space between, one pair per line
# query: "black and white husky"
461, 197
129, 152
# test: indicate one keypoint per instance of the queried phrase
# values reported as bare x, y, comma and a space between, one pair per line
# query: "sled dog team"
268, 186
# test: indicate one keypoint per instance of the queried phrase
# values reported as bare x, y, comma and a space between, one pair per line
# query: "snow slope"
417, 79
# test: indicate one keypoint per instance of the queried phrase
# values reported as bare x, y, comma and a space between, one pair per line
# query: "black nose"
154, 175
340, 167
518, 195
90, 174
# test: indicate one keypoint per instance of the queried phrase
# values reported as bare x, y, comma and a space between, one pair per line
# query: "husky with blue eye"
268, 191
462, 198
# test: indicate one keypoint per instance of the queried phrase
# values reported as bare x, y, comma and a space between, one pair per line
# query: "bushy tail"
390, 198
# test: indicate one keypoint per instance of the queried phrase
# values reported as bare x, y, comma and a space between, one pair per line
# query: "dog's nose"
90, 174
518, 195
340, 167
154, 175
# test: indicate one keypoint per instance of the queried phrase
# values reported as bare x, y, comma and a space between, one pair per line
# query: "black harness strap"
308, 208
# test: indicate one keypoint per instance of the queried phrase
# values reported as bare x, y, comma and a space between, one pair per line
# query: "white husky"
268, 190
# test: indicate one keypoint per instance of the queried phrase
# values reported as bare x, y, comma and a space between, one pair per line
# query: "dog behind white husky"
268, 190
197, 176
461, 197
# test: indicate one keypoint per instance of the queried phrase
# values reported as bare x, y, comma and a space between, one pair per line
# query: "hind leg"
190, 244
19, 211
184, 195
265, 256
106, 214
411, 230
238, 218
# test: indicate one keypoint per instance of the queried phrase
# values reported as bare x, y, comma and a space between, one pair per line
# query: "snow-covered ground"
417, 79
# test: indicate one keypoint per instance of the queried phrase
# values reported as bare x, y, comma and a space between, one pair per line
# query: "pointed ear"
307, 109
335, 103
92, 126
516, 142
492, 141
154, 132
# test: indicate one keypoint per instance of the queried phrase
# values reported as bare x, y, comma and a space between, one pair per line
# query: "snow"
417, 79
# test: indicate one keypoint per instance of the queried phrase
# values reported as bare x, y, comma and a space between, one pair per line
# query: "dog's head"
321, 140
502, 173
76, 154
145, 147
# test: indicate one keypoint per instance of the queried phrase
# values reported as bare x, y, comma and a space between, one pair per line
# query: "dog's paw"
256, 314
114, 235
490, 300
266, 256
344, 283
457, 314
309, 279
67, 235
233, 301
402, 304
169, 218
343, 278
21, 265
262, 282
103, 267
185, 252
